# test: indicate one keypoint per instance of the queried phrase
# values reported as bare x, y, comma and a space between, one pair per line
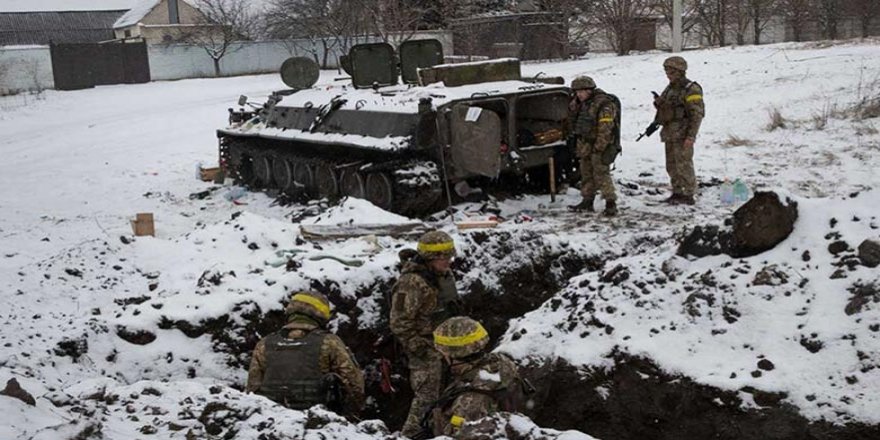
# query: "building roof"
58, 27
17, 6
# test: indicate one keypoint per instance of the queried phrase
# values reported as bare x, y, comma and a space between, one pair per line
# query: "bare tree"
866, 11
619, 20
221, 23
712, 17
828, 14
394, 21
688, 15
738, 19
760, 13
797, 14
317, 27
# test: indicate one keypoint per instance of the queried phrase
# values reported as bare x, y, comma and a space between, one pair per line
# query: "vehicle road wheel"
304, 177
263, 169
282, 173
326, 182
352, 184
380, 190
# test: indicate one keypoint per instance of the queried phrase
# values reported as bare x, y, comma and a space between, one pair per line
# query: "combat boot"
610, 208
586, 204
686, 200
672, 199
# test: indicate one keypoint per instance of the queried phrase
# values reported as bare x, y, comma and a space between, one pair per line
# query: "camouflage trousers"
680, 167
425, 377
595, 176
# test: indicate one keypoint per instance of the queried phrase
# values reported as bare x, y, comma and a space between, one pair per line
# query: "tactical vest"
672, 103
293, 375
447, 299
585, 119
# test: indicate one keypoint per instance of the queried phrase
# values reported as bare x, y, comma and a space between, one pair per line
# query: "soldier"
593, 115
302, 364
482, 383
680, 111
423, 297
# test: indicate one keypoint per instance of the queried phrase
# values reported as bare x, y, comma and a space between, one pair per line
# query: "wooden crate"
143, 225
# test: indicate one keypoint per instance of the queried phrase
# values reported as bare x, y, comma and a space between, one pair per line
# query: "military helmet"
312, 304
436, 244
677, 63
460, 337
583, 82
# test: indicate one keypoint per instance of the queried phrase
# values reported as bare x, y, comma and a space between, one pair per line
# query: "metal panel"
476, 139
84, 65
57, 27
373, 64
418, 53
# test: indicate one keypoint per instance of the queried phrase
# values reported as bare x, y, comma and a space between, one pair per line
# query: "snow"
140, 10
81, 164
489, 377
64, 5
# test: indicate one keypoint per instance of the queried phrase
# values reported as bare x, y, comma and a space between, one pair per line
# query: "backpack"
614, 149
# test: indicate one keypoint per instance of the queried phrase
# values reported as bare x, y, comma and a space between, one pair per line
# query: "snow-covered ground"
79, 165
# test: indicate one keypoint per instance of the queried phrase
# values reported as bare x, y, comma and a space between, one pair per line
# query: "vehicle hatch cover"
299, 72
418, 53
373, 63
476, 138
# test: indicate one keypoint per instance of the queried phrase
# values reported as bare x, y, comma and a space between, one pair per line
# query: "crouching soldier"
481, 383
303, 365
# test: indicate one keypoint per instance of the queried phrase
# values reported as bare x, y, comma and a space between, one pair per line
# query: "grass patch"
777, 121
736, 141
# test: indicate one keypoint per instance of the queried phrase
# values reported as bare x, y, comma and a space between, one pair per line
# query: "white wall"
25, 68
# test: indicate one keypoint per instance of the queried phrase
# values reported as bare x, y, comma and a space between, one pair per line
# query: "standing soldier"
422, 298
302, 365
594, 115
680, 111
482, 383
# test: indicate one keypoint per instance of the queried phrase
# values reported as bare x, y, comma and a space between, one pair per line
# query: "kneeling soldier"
302, 365
481, 383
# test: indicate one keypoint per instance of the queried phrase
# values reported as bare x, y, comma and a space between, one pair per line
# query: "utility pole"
676, 25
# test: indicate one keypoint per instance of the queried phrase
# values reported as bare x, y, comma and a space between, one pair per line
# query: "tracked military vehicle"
399, 146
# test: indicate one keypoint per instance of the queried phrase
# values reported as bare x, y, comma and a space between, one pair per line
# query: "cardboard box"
143, 225
209, 174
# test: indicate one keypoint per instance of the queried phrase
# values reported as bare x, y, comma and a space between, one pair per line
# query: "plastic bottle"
740, 191
235, 193
727, 197
199, 170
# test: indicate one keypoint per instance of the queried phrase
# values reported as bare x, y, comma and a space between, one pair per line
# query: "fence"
25, 68
30, 68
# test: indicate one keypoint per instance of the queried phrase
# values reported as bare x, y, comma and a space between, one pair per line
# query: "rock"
862, 295
14, 390
869, 253
838, 247
770, 276
766, 365
806, 256
703, 241
762, 223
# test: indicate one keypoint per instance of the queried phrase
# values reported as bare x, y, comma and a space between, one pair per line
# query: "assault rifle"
654, 125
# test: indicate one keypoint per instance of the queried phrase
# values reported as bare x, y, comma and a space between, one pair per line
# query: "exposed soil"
635, 400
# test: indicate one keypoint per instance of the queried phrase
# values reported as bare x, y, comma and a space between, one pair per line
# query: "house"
38, 22
523, 35
159, 21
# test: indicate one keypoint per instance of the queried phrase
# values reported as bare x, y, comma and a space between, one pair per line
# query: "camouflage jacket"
593, 120
420, 301
335, 358
479, 388
680, 109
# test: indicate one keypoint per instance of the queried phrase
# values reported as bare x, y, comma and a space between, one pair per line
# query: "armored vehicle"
399, 146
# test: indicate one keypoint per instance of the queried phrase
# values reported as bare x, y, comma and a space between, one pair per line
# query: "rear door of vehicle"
476, 139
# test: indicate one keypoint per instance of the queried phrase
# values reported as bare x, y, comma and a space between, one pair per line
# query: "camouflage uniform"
479, 382
680, 109
334, 357
421, 299
594, 129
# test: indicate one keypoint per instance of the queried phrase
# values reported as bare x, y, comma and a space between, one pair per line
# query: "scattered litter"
353, 262
235, 193
331, 232
143, 224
